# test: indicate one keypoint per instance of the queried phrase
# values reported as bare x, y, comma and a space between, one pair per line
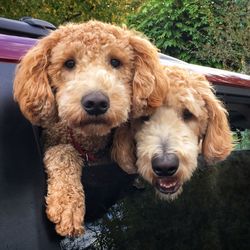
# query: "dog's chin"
167, 188
97, 121
95, 129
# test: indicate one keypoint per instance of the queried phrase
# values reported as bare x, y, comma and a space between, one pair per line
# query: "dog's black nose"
95, 103
165, 165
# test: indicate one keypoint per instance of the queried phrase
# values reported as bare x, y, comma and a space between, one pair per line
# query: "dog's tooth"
168, 185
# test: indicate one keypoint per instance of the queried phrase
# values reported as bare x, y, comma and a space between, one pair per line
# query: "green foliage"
243, 140
229, 28
213, 33
178, 27
59, 12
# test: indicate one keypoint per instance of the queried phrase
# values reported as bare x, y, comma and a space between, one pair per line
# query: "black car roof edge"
28, 27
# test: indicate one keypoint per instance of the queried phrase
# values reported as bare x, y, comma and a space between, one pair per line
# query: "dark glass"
213, 212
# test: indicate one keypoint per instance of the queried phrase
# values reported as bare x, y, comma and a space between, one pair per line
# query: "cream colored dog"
78, 83
191, 121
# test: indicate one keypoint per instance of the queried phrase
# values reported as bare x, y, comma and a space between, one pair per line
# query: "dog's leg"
65, 197
123, 149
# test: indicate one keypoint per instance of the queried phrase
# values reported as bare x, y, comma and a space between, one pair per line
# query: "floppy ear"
123, 148
149, 85
218, 141
31, 85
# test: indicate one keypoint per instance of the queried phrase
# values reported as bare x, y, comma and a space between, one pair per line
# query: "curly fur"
49, 95
206, 131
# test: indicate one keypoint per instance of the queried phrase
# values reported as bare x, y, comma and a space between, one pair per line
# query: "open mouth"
166, 185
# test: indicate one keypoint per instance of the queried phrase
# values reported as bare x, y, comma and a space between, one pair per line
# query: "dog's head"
89, 76
192, 121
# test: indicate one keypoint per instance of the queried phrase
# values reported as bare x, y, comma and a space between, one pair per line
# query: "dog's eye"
70, 64
115, 63
145, 118
53, 88
187, 115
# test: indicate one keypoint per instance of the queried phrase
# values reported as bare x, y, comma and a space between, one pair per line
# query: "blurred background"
211, 33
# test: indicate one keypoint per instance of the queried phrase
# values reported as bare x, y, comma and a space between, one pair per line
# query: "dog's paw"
68, 216
71, 224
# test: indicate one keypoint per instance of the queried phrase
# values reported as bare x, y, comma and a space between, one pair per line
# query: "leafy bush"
243, 139
59, 12
214, 33
178, 28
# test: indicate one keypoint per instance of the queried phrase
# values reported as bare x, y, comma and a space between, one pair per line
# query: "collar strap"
86, 155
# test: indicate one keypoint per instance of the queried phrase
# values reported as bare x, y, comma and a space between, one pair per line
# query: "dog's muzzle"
165, 166
95, 103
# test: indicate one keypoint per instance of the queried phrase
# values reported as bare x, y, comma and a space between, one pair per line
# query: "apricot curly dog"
191, 121
78, 83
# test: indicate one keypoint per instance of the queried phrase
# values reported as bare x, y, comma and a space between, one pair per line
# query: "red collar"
86, 155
